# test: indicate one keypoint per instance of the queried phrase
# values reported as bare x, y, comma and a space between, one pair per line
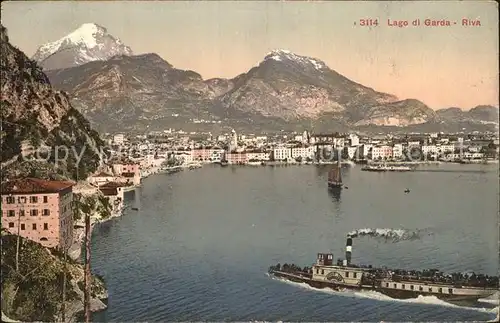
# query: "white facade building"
397, 151
303, 152
258, 155
185, 156
430, 149
339, 143
381, 152
354, 139
446, 148
282, 153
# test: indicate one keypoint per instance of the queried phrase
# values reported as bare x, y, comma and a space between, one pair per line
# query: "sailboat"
335, 177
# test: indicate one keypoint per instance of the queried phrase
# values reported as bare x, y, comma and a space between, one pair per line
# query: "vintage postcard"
242, 161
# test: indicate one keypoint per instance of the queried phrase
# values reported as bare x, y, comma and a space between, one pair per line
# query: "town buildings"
190, 148
129, 170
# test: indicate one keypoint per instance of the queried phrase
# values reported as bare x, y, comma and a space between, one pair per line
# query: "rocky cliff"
34, 291
400, 114
35, 115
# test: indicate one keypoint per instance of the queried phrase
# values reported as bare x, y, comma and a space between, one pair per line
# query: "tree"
298, 159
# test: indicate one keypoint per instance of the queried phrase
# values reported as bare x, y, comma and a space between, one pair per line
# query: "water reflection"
335, 194
104, 228
322, 169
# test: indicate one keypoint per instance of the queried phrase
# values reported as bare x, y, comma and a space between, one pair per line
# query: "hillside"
290, 86
33, 293
35, 115
284, 91
130, 90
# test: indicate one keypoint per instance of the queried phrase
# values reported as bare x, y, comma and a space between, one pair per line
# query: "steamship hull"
392, 293
304, 278
456, 299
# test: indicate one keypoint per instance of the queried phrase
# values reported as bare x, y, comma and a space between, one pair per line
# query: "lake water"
200, 245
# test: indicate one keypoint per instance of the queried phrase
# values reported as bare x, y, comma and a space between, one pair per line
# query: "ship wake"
392, 235
484, 305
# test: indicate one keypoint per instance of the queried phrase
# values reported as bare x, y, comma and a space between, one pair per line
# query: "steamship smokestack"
348, 250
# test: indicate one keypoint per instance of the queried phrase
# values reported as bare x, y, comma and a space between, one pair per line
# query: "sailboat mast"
339, 177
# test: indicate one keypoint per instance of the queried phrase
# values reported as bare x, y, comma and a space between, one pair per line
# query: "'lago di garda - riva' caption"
465, 22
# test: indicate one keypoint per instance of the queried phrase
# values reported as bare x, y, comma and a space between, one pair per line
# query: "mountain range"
119, 91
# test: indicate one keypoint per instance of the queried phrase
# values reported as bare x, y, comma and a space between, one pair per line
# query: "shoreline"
98, 303
367, 162
75, 251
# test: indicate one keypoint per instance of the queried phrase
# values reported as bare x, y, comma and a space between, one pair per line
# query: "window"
430, 289
45, 226
355, 275
33, 199
346, 274
11, 224
440, 290
330, 257
33, 226
23, 226
45, 199
21, 199
10, 200
21, 212
34, 212
411, 287
421, 289
46, 212
403, 286
450, 290
386, 284
394, 285
11, 213
322, 271
317, 271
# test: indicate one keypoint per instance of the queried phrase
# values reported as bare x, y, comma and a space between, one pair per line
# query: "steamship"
396, 283
385, 168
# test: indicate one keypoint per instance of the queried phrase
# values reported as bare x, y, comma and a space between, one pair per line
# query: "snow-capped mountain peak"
89, 42
287, 55
86, 34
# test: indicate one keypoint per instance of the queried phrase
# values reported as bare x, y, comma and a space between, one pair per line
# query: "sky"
454, 66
